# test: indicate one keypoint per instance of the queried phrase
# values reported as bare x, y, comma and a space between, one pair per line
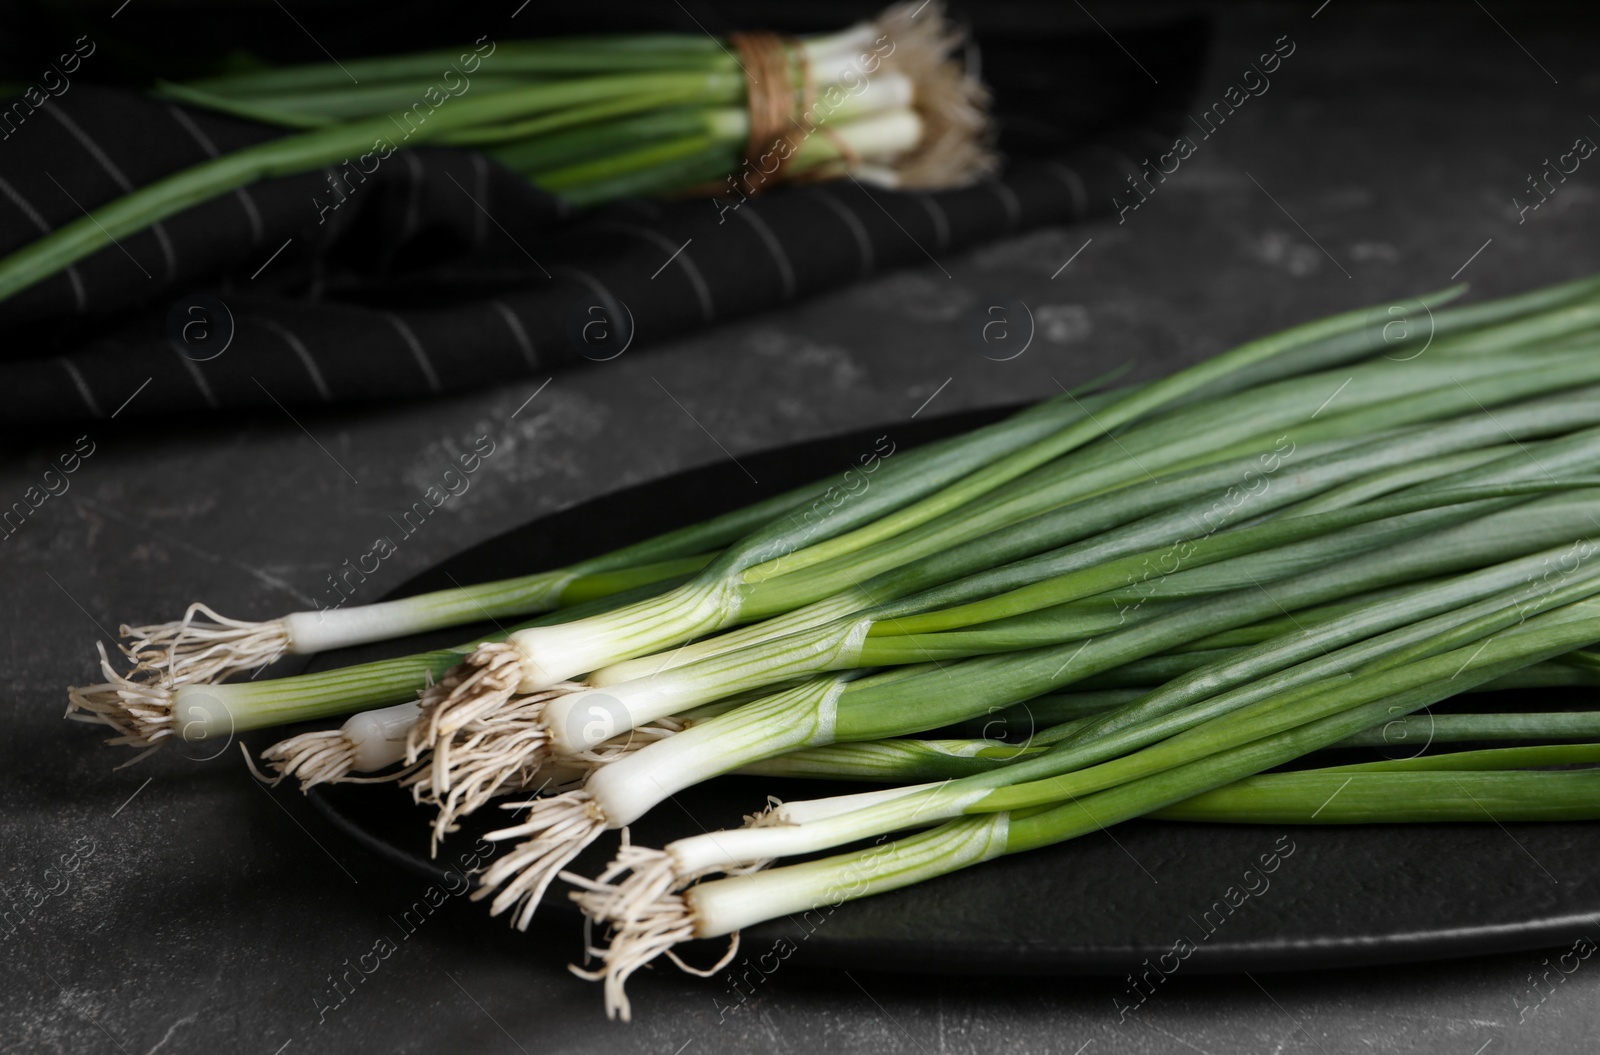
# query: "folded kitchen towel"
444, 271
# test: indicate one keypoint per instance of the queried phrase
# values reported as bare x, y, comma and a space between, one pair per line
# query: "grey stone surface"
204, 917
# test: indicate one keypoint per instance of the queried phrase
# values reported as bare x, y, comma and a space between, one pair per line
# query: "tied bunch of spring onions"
1178, 588
591, 119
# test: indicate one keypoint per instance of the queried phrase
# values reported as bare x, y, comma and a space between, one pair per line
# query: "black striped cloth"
444, 271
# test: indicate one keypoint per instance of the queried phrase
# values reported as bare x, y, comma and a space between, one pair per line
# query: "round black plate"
1146, 890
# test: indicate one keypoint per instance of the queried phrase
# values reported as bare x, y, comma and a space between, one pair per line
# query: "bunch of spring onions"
591, 119
1172, 589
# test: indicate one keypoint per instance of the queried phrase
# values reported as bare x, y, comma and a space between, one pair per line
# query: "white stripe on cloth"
770, 240
83, 386
1075, 186
680, 256
199, 379
514, 324
480, 183
241, 193
941, 223
1008, 198
853, 222
417, 351
300, 350
79, 295
614, 307
122, 181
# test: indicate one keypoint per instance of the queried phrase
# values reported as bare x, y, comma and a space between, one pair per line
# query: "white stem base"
804, 618
552, 654
809, 811
723, 906
579, 721
833, 822
804, 715
327, 629
378, 738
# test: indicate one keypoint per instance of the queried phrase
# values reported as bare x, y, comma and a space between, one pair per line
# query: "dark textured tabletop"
206, 913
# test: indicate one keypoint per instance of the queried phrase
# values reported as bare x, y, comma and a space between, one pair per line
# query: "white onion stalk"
646, 884
618, 793
370, 742
576, 721
502, 751
783, 829
831, 55
724, 907
909, 59
148, 713
376, 740
806, 617
478, 769
889, 761
367, 742
879, 138
204, 646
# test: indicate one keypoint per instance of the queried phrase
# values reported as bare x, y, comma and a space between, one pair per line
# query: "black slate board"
1336, 896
